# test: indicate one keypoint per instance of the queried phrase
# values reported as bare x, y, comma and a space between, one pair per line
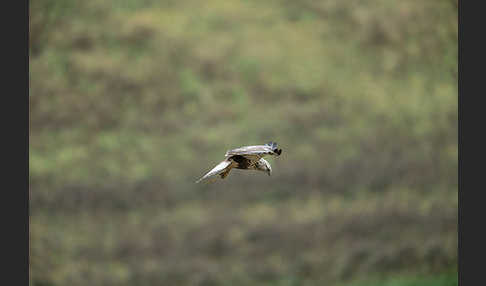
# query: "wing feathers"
258, 150
220, 168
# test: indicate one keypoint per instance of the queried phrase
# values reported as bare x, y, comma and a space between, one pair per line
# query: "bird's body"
245, 158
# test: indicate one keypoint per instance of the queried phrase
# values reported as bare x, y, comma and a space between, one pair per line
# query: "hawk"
245, 158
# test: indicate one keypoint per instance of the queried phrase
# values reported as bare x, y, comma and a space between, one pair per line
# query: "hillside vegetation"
132, 101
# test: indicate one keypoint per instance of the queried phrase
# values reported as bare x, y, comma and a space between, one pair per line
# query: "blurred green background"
132, 101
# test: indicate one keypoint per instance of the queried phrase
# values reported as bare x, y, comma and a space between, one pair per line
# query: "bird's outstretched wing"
256, 152
222, 168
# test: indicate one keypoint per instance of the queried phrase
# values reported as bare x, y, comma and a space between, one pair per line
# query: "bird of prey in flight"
245, 158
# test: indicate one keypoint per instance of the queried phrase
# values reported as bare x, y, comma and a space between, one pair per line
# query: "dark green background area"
132, 101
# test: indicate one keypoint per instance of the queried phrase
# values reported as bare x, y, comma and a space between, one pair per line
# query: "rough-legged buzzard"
246, 158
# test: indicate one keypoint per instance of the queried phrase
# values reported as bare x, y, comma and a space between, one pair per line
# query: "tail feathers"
272, 144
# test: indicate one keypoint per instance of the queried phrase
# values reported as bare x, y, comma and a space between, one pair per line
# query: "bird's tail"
273, 145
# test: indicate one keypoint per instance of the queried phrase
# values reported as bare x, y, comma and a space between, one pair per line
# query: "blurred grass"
440, 280
132, 101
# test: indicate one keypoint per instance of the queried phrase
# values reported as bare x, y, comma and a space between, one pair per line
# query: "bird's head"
263, 165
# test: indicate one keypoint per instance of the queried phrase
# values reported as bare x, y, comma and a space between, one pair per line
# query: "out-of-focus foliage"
132, 101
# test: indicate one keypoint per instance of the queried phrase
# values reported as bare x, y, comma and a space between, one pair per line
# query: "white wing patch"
253, 153
220, 168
